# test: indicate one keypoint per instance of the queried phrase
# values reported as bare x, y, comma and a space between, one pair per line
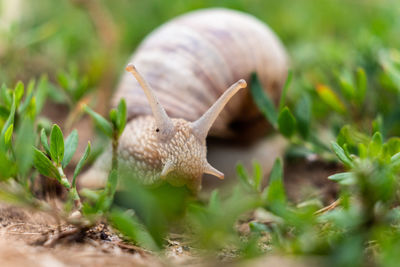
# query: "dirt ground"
23, 236
22, 233
26, 236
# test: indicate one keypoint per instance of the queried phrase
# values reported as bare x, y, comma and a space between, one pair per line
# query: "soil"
305, 179
25, 235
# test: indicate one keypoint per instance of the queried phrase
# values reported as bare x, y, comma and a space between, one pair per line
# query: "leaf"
243, 175
43, 140
10, 120
257, 176
44, 165
22, 108
303, 115
392, 71
121, 116
62, 80
113, 117
258, 227
71, 143
330, 98
351, 136
285, 89
56, 94
377, 124
393, 145
80, 164
362, 151
4, 112
19, 92
214, 205
91, 195
286, 122
31, 109
8, 135
7, 167
41, 93
341, 154
56, 144
101, 122
274, 194
344, 178
395, 160
346, 83
24, 141
361, 85
375, 146
130, 227
263, 101
112, 183
5, 96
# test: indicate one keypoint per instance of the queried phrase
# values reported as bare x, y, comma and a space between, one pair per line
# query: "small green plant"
19, 109
56, 156
113, 130
21, 148
73, 84
297, 126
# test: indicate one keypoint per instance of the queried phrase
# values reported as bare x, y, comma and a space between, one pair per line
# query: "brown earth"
26, 236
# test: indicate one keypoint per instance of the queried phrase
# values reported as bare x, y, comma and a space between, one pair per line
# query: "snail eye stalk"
201, 127
164, 123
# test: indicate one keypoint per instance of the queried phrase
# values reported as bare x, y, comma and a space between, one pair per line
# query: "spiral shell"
191, 60
187, 84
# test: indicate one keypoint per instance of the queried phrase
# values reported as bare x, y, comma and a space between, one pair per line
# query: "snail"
185, 73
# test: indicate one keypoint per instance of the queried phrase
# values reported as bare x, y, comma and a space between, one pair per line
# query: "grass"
341, 104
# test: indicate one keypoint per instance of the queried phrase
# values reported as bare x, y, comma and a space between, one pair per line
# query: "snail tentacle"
165, 127
213, 171
201, 126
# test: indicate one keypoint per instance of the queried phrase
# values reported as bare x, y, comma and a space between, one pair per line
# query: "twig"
137, 249
59, 235
328, 208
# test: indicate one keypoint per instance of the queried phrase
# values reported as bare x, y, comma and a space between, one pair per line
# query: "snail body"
182, 71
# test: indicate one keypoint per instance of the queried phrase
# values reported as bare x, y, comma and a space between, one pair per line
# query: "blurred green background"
46, 36
85, 44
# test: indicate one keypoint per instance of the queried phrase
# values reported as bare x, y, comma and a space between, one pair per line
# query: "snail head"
181, 144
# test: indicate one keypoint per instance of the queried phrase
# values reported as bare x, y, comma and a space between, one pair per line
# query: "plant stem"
72, 190
115, 143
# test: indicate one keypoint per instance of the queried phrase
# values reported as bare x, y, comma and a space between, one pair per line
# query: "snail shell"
186, 66
191, 60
